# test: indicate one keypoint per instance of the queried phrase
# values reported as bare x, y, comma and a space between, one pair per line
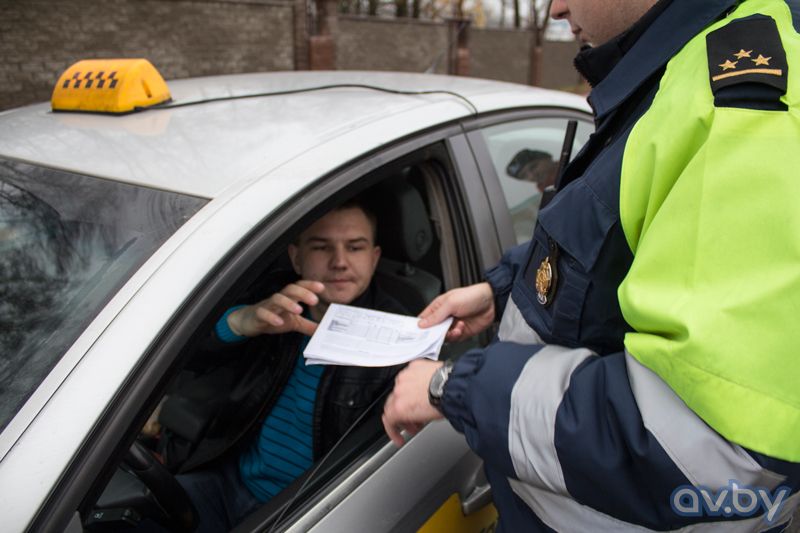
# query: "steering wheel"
170, 495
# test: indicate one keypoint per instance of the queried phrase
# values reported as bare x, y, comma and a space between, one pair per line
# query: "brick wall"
558, 70
371, 43
505, 55
182, 38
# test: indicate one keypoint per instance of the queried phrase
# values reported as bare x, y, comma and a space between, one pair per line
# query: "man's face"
338, 250
598, 21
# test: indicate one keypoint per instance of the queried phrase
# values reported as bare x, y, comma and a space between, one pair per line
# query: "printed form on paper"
354, 336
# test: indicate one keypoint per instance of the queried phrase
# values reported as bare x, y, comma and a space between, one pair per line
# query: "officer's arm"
501, 277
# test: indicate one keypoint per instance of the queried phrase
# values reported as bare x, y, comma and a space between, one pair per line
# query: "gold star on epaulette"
761, 60
747, 53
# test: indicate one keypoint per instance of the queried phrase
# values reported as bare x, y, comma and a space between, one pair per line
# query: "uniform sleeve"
566, 423
510, 393
501, 276
477, 398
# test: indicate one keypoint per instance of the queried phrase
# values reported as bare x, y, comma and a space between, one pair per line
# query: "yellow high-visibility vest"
710, 206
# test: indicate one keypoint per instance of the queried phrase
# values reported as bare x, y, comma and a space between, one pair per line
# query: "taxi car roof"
223, 130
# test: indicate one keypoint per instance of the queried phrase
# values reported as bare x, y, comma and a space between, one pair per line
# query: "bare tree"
349, 6
540, 17
458, 9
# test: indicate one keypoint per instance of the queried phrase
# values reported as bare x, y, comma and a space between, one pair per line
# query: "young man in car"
279, 415
645, 374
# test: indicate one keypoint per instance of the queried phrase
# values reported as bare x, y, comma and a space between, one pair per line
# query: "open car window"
427, 248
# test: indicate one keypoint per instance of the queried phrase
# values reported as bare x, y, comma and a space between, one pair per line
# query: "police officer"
645, 372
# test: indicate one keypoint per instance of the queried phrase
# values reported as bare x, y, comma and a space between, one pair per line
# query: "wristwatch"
438, 381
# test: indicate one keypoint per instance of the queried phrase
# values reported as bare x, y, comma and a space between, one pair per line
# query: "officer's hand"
280, 313
408, 407
472, 307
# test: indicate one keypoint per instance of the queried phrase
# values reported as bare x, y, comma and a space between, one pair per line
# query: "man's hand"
280, 313
408, 407
472, 307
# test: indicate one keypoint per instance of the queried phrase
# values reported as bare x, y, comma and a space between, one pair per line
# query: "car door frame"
94, 462
439, 451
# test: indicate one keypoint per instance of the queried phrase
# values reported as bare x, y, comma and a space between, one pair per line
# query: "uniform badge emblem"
545, 282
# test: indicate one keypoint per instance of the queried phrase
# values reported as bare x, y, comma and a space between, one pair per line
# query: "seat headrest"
404, 228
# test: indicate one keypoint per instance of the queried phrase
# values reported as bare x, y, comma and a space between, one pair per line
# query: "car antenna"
566, 154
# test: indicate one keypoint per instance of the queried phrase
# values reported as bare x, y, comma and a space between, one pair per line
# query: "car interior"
420, 231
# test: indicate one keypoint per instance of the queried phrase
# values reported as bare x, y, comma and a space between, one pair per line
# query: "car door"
432, 480
437, 467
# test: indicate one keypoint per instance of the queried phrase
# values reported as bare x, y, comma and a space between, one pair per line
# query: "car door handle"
480, 497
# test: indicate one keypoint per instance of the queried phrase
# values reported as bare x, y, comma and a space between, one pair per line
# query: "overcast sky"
557, 30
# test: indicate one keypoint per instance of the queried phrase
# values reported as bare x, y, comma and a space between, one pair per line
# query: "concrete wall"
40, 38
499, 54
371, 43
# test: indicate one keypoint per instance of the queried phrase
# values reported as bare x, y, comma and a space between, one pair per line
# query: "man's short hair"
357, 202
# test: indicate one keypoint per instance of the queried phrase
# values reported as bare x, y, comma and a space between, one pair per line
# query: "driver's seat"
405, 235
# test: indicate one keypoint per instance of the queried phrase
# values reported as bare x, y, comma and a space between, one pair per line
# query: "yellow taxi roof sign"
109, 86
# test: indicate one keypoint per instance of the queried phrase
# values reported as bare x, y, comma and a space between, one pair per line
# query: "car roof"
224, 130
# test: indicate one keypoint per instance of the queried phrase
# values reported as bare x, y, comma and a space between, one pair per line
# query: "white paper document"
362, 337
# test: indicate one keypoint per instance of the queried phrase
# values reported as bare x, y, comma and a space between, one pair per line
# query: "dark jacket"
201, 422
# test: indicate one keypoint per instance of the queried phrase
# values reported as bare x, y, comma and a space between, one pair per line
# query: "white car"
124, 237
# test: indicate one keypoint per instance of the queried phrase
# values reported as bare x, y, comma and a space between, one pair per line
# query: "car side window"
525, 156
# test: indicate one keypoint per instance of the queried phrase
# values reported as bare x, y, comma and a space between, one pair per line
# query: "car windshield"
67, 244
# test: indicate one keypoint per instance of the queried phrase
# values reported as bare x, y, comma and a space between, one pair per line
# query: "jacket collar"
648, 46
594, 63
375, 297
368, 297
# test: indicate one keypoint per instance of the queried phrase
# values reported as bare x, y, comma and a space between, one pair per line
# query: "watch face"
437, 383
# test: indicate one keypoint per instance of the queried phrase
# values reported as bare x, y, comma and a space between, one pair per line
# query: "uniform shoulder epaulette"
747, 64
